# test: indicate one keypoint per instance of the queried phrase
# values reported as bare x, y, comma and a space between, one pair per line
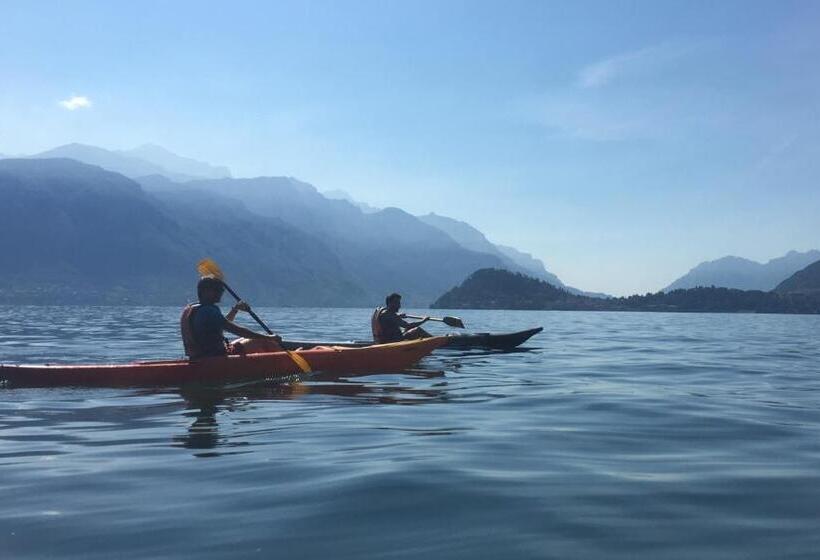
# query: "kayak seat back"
375, 325
188, 340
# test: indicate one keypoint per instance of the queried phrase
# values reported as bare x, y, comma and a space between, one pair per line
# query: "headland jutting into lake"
501, 289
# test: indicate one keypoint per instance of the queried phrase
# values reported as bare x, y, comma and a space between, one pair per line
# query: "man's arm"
407, 326
240, 306
239, 330
416, 324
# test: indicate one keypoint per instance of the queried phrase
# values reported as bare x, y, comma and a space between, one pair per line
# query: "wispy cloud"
647, 106
604, 71
775, 152
76, 102
592, 119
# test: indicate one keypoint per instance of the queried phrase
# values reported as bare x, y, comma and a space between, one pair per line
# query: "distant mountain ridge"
472, 239
76, 233
385, 251
177, 164
805, 281
502, 289
337, 194
341, 226
516, 261
148, 159
745, 274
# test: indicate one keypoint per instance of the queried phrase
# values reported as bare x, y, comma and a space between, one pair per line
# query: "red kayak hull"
227, 369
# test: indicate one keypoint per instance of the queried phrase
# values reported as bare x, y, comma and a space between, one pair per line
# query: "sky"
620, 142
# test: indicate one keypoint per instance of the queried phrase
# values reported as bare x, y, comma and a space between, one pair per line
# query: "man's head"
209, 289
393, 302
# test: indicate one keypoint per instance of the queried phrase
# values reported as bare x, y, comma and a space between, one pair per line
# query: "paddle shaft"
449, 321
420, 317
250, 311
207, 267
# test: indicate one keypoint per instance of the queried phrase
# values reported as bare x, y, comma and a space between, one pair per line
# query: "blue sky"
620, 142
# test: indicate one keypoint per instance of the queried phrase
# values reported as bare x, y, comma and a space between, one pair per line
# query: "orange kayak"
225, 369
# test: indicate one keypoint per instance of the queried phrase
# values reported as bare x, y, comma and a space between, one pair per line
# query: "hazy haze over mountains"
79, 233
338, 194
383, 249
177, 164
148, 159
745, 274
76, 233
473, 240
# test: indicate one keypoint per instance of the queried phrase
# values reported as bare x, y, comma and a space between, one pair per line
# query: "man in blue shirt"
203, 325
389, 325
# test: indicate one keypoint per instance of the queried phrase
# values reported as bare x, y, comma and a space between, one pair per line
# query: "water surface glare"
611, 435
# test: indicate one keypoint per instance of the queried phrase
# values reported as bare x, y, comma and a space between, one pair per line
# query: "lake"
610, 435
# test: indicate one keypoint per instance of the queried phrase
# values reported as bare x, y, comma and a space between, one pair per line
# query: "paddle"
208, 267
449, 321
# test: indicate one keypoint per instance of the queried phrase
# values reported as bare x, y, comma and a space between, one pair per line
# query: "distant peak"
181, 166
745, 274
78, 146
732, 258
392, 210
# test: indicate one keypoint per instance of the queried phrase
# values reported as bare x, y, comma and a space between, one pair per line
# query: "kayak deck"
385, 357
492, 341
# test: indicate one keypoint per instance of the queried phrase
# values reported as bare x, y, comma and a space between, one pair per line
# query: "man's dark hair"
208, 283
391, 297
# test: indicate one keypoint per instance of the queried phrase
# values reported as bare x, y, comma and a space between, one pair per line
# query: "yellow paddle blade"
208, 267
299, 361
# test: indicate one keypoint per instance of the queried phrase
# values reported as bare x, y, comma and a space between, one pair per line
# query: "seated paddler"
388, 324
203, 326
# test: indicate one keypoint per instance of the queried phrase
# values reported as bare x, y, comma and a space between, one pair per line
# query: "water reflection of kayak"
492, 341
225, 369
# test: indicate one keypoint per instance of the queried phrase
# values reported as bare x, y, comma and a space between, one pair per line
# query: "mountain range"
472, 239
148, 159
502, 289
745, 274
76, 233
514, 260
370, 251
805, 281
383, 249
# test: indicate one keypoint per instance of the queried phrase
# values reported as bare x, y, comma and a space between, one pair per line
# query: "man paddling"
203, 325
390, 326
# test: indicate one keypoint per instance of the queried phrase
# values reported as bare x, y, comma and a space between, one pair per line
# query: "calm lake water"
613, 435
